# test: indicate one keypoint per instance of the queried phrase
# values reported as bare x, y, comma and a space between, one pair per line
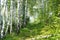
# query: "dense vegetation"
32, 20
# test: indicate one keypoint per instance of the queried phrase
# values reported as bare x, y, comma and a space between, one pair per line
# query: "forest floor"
36, 32
40, 31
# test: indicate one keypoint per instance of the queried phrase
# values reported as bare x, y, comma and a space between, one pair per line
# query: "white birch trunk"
11, 11
18, 15
7, 21
2, 31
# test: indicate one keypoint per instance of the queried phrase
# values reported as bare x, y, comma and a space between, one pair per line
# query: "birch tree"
7, 21
24, 16
11, 12
2, 30
18, 15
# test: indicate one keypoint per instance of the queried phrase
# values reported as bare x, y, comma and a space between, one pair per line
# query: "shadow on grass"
31, 30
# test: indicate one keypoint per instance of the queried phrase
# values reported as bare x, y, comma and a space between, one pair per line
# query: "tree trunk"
11, 12
24, 15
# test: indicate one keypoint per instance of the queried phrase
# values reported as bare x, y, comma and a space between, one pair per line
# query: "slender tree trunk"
18, 16
7, 21
11, 12
2, 30
23, 9
26, 12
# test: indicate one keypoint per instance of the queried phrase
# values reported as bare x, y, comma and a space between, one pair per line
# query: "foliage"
47, 21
